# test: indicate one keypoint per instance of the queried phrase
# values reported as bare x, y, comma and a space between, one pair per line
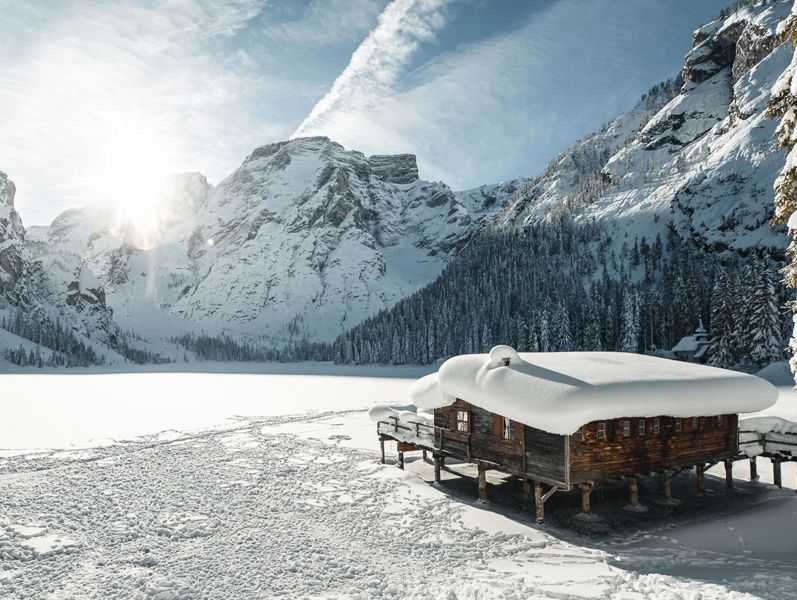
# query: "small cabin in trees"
693, 348
565, 420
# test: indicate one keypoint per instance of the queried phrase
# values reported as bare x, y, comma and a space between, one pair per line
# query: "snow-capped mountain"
305, 238
55, 302
703, 163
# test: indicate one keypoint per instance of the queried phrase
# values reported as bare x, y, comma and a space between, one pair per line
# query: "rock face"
304, 238
700, 160
51, 287
13, 264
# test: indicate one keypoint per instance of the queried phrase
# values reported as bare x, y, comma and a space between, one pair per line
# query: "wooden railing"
763, 439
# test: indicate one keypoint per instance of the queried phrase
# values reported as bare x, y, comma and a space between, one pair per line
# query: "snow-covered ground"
178, 485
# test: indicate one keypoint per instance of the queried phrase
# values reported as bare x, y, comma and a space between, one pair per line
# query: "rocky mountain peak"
396, 168
7, 190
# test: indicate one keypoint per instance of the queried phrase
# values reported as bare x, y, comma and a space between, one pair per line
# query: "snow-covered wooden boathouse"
573, 419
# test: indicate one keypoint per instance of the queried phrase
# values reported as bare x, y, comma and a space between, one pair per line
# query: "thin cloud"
380, 60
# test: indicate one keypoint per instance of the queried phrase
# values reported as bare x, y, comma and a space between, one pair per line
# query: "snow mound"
561, 391
426, 393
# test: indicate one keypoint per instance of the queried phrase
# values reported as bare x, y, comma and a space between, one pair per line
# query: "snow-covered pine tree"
763, 320
783, 105
545, 332
629, 322
722, 349
562, 334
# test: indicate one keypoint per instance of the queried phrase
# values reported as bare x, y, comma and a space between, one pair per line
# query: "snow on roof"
561, 391
688, 343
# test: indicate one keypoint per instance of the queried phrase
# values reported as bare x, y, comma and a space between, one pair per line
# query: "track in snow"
246, 513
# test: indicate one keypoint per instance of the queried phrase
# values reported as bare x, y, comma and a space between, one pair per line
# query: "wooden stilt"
633, 491
382, 449
539, 510
482, 482
776, 476
668, 485
728, 473
425, 457
586, 490
438, 461
753, 469
527, 487
701, 479
401, 459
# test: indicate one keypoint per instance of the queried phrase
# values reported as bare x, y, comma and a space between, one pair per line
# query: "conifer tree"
763, 320
721, 349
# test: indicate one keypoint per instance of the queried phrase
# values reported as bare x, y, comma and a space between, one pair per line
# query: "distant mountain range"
307, 239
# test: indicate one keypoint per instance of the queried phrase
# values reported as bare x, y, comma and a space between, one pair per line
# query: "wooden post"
753, 470
776, 473
633, 491
586, 490
701, 479
526, 487
401, 459
438, 461
728, 473
382, 448
668, 485
482, 483
539, 510
425, 457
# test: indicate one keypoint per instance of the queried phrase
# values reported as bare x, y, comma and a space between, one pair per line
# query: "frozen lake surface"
176, 485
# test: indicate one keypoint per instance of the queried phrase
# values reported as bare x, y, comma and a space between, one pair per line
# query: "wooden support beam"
382, 449
401, 459
728, 473
701, 479
425, 457
539, 510
776, 475
482, 482
633, 491
586, 490
527, 487
438, 464
668, 484
753, 470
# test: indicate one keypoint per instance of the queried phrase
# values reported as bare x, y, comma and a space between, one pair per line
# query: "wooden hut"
565, 420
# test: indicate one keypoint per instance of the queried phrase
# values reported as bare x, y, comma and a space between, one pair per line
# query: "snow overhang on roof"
560, 391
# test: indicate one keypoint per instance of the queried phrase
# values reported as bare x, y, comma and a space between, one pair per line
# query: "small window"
601, 431
626, 428
678, 424
580, 434
656, 425
463, 421
641, 427
508, 430
719, 420
695, 423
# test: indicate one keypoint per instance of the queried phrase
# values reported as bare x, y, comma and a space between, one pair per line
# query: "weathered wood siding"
593, 458
532, 453
546, 455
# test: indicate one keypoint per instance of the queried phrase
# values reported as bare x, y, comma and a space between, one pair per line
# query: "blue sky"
480, 90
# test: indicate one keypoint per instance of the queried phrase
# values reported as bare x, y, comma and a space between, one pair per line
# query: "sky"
96, 96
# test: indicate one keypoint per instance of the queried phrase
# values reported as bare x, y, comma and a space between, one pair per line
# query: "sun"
133, 178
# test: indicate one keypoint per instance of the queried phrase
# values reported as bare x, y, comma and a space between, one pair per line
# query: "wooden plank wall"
545, 457
618, 455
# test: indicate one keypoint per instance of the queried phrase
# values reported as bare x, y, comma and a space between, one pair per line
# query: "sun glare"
134, 180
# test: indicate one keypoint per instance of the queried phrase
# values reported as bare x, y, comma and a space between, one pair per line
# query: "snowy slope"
703, 164
304, 239
293, 495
